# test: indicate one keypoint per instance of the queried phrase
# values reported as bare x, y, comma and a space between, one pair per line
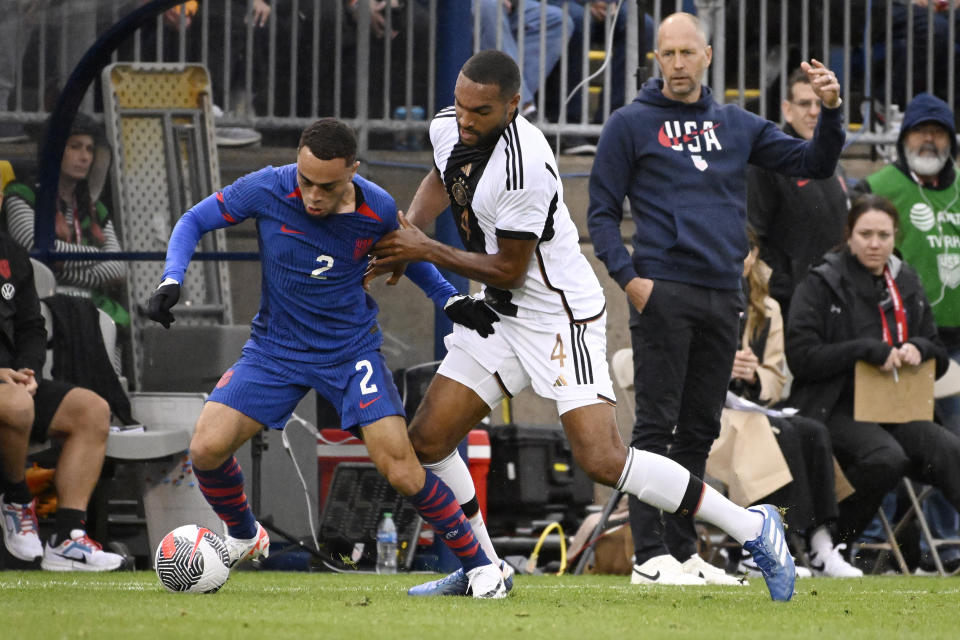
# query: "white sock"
654, 479
480, 533
739, 523
820, 542
454, 472
662, 483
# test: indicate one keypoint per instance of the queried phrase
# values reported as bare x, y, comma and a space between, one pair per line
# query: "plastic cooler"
478, 460
335, 446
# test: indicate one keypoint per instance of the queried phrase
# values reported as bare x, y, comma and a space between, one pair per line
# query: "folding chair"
893, 530
159, 121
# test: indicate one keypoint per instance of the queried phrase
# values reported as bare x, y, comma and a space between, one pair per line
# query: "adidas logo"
778, 544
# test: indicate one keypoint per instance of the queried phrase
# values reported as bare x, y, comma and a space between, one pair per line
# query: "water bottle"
399, 138
387, 545
411, 140
415, 137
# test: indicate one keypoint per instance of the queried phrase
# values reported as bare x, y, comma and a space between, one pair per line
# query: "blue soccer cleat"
769, 551
457, 583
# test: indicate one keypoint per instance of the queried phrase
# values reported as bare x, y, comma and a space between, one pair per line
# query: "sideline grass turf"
275, 605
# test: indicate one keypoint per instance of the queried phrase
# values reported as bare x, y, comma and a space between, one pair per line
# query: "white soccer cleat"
456, 584
834, 565
664, 570
697, 566
19, 524
255, 547
486, 582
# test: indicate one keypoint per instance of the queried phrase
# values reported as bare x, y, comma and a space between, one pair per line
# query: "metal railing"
326, 57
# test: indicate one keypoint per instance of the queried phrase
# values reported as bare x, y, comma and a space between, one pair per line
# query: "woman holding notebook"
862, 303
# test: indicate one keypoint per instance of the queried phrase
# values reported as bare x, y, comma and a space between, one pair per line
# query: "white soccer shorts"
565, 362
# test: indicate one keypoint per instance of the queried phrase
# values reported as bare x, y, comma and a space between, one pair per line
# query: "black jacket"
797, 221
834, 322
23, 339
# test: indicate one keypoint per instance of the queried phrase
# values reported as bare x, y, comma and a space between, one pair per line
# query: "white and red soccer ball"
192, 559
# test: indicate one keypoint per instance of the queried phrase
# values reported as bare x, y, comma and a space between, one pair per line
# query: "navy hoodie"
683, 168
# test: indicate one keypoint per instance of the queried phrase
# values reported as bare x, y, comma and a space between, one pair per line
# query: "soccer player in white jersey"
499, 176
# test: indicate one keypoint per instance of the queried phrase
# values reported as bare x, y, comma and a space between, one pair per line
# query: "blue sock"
223, 489
435, 504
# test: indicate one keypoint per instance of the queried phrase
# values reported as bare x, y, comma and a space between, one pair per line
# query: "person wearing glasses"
797, 218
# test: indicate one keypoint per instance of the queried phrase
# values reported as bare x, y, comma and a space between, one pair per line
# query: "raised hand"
823, 81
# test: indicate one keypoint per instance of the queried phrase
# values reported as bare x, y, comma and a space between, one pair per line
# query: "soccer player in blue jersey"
316, 328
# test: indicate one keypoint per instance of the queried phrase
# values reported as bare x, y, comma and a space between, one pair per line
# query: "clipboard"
878, 397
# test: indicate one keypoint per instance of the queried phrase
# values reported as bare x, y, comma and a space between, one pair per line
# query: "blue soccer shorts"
268, 390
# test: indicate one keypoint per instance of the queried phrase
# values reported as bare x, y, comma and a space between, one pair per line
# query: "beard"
926, 164
490, 138
487, 140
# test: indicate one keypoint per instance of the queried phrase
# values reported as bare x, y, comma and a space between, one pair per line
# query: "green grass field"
274, 605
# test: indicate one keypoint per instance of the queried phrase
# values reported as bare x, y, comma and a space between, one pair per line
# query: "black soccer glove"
472, 313
162, 300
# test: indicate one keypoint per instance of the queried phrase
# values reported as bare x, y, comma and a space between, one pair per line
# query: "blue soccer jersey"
313, 308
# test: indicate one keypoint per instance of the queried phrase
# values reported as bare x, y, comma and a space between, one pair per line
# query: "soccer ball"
192, 558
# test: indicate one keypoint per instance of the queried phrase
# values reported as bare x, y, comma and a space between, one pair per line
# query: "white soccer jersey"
518, 195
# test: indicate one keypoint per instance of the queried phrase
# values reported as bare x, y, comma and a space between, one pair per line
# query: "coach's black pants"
683, 348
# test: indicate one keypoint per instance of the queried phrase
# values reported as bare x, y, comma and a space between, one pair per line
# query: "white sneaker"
834, 565
255, 547
486, 582
697, 566
20, 530
663, 569
79, 553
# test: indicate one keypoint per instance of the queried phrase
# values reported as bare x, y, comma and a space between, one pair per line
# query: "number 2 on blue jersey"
365, 386
327, 264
